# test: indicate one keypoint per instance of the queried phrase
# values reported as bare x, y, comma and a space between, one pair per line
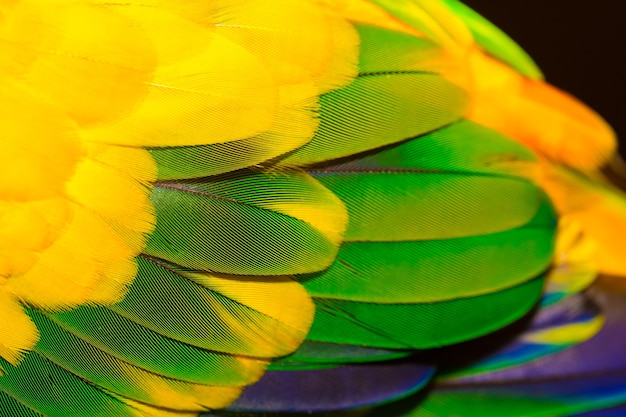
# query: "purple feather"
337, 388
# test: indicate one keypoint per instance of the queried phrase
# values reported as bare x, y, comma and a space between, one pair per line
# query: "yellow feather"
434, 20
291, 309
599, 209
220, 95
293, 41
31, 168
571, 333
18, 334
284, 300
363, 11
342, 66
102, 80
574, 267
91, 185
89, 60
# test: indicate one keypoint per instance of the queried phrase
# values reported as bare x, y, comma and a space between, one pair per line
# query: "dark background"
579, 45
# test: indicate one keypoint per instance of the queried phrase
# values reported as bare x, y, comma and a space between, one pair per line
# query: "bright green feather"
247, 223
434, 270
69, 395
494, 41
421, 326
113, 374
398, 95
380, 109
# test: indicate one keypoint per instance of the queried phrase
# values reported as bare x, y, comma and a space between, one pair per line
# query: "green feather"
112, 374
247, 223
448, 205
179, 305
149, 350
377, 110
315, 355
205, 160
456, 182
384, 50
421, 326
468, 404
65, 395
13, 407
435, 270
402, 206
391, 100
494, 41
464, 146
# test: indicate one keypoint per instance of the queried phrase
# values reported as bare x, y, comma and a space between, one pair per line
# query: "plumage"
334, 388
296, 207
564, 383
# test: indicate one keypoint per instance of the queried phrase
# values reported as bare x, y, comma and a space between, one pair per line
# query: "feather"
228, 224
596, 204
311, 354
384, 189
544, 118
556, 385
135, 350
375, 201
334, 388
551, 329
495, 42
432, 18
293, 126
454, 232
418, 325
608, 412
389, 101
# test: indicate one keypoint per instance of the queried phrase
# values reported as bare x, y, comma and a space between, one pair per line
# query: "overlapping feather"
189, 335
353, 145
563, 321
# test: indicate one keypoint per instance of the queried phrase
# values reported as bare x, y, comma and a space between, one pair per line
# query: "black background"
579, 45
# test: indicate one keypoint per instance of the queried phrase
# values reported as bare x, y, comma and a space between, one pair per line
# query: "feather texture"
334, 388
92, 350
228, 224
556, 385
346, 192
